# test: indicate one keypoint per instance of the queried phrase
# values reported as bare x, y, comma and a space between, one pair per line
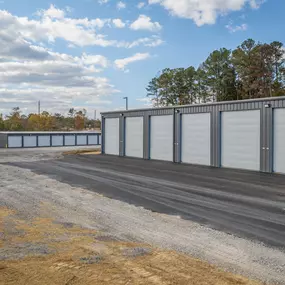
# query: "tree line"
75, 120
252, 70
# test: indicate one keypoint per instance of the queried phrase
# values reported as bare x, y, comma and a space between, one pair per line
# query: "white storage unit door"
44, 140
14, 141
196, 138
30, 141
69, 140
92, 139
134, 137
241, 139
82, 140
279, 140
100, 139
57, 140
112, 138
161, 137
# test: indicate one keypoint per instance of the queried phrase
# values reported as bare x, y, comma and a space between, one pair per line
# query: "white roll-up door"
279, 140
100, 139
30, 141
44, 140
57, 140
93, 139
14, 141
82, 140
161, 137
112, 138
134, 137
240, 139
196, 138
69, 140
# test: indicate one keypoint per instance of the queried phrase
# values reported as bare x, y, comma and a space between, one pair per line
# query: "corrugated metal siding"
15, 141
69, 140
30, 141
241, 139
196, 138
266, 140
93, 139
44, 141
57, 140
134, 136
3, 140
279, 140
81, 139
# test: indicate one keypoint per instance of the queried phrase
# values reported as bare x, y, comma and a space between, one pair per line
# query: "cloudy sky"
92, 53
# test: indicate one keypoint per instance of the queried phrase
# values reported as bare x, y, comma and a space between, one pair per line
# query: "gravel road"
50, 194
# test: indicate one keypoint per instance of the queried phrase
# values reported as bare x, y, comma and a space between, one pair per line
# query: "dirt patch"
83, 151
51, 252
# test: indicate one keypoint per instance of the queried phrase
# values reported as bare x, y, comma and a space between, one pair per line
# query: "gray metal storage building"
48, 139
248, 134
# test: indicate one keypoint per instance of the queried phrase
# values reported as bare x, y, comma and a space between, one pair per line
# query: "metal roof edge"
196, 105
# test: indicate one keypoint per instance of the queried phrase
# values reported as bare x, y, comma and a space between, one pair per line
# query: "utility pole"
127, 103
39, 107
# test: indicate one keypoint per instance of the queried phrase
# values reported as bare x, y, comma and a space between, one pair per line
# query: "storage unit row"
30, 140
241, 134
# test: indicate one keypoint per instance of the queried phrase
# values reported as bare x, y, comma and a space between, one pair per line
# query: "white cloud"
30, 71
118, 23
144, 23
140, 5
154, 41
147, 101
52, 12
121, 5
204, 11
103, 1
237, 28
95, 60
122, 63
79, 32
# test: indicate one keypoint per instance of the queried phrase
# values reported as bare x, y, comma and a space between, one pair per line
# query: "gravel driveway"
34, 195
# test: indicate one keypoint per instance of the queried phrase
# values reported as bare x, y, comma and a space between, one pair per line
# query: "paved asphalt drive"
246, 204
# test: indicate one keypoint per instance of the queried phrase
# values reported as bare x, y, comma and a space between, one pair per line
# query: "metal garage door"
82, 140
279, 140
92, 140
134, 137
14, 141
241, 139
112, 139
30, 141
57, 140
196, 138
69, 140
161, 137
44, 140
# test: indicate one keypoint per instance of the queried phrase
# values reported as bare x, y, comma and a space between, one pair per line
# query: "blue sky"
92, 53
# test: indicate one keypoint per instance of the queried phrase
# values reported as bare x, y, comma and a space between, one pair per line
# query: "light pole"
127, 102
95, 113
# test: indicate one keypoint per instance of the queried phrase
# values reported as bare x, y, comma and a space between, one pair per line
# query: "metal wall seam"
262, 140
121, 135
102, 135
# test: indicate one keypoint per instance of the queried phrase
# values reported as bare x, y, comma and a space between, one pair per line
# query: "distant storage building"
48, 139
248, 134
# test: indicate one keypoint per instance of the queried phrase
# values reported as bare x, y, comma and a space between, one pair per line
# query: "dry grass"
43, 251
